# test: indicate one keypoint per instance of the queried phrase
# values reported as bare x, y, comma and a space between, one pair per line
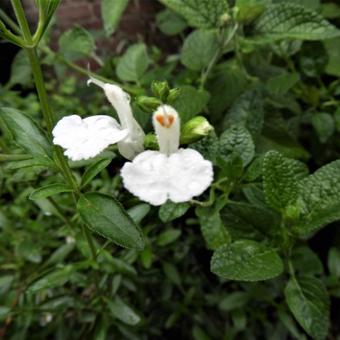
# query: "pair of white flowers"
153, 176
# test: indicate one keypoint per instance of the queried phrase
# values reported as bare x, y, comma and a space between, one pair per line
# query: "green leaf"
324, 125
237, 140
171, 273
280, 177
76, 43
170, 211
138, 212
305, 261
56, 278
308, 300
199, 49
168, 236
334, 262
291, 21
112, 11
170, 23
333, 50
233, 301
93, 170
247, 110
246, 260
105, 216
281, 84
213, 230
26, 134
248, 10
190, 102
133, 64
201, 14
21, 69
49, 190
121, 311
319, 198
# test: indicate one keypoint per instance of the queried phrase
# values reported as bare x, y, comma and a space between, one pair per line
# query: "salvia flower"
170, 173
88, 137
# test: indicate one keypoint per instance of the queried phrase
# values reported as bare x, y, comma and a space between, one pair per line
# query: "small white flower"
171, 173
133, 144
86, 138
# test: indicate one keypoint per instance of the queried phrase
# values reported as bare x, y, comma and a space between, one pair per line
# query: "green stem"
23, 24
8, 21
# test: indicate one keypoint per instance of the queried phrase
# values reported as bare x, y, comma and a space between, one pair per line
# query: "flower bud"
148, 104
292, 213
150, 142
173, 95
195, 129
160, 89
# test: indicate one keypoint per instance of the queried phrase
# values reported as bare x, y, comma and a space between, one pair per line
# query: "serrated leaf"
208, 147
49, 190
280, 177
246, 260
27, 134
308, 300
199, 49
202, 13
248, 10
319, 198
121, 311
170, 23
105, 216
292, 21
247, 110
238, 140
132, 65
112, 11
169, 211
76, 43
190, 102
93, 170
213, 230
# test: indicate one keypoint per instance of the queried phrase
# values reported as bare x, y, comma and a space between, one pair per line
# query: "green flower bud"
292, 213
224, 19
148, 104
150, 142
160, 89
195, 129
173, 95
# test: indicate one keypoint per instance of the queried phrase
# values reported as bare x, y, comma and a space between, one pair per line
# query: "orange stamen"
165, 122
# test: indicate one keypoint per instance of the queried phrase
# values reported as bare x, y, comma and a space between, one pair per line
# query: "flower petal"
86, 138
155, 177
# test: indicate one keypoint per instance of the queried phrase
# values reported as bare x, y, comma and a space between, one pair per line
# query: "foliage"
256, 256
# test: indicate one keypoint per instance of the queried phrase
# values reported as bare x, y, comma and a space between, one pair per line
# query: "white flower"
86, 138
132, 145
171, 173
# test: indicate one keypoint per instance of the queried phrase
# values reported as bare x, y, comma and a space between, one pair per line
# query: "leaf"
21, 72
324, 125
333, 51
233, 301
246, 260
105, 216
213, 230
170, 211
248, 10
56, 278
49, 190
171, 273
281, 84
170, 23
334, 262
280, 177
26, 134
132, 65
208, 147
291, 21
202, 13
199, 49
139, 211
305, 261
190, 102
247, 110
112, 11
319, 199
308, 300
76, 43
168, 236
238, 140
121, 311
93, 170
